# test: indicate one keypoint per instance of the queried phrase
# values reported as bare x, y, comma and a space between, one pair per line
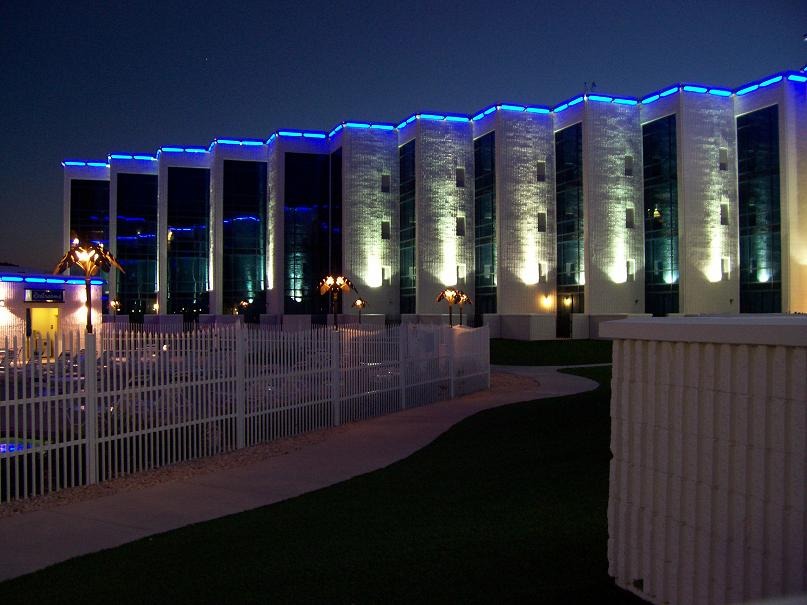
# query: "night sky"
80, 80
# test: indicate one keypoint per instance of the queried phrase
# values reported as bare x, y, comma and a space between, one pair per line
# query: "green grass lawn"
549, 352
507, 506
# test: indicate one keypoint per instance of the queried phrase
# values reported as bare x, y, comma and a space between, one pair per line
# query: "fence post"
486, 350
240, 386
402, 342
450, 348
91, 409
336, 383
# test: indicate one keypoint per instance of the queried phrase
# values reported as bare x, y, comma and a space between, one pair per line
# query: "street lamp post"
464, 300
92, 258
335, 285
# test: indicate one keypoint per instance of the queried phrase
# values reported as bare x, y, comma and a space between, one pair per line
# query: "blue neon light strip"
75, 282
719, 92
120, 156
576, 101
12, 278
431, 116
74, 163
148, 158
746, 90
626, 101
357, 125
172, 149
36, 280
96, 282
456, 119
668, 92
507, 107
98, 164
89, 164
543, 110
55, 280
478, 116
271, 138
335, 130
600, 98
290, 133
489, 110
314, 135
770, 81
560, 108
382, 126
690, 88
195, 150
795, 78
650, 99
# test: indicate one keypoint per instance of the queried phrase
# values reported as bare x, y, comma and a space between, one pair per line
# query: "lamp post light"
567, 302
335, 285
92, 258
452, 297
359, 304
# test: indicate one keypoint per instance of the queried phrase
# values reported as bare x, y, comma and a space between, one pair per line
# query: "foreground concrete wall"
707, 500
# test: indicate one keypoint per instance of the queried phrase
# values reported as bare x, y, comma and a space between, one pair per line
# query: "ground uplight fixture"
359, 304
92, 258
335, 285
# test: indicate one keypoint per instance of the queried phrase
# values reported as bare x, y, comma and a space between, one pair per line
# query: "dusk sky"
80, 80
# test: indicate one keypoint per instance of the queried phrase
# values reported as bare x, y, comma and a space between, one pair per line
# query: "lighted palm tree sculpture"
359, 304
92, 258
464, 300
335, 285
452, 297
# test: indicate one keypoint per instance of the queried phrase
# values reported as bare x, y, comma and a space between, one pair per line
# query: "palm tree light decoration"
452, 297
464, 300
92, 258
359, 304
335, 285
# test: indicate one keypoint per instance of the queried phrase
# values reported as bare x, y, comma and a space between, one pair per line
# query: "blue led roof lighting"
746, 90
770, 81
382, 126
543, 110
172, 149
575, 101
227, 142
668, 92
650, 99
74, 163
508, 107
600, 98
795, 78
560, 108
271, 138
147, 158
719, 92
75, 282
55, 280
456, 119
290, 133
335, 130
690, 88
36, 280
431, 116
195, 150
357, 125
620, 101
96, 282
314, 135
120, 156
489, 110
12, 278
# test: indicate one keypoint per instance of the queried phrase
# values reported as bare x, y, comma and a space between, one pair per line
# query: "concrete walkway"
37, 539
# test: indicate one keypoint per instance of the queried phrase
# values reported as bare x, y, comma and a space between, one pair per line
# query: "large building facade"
692, 199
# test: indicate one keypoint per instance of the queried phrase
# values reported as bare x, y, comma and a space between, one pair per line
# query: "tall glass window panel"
485, 223
188, 213
243, 233
760, 223
89, 211
306, 232
407, 217
569, 200
137, 244
660, 167
336, 212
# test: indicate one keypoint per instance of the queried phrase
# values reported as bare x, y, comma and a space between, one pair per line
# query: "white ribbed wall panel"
367, 154
522, 140
611, 132
274, 230
440, 148
706, 123
707, 500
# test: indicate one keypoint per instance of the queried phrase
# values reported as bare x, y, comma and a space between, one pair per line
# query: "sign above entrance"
50, 296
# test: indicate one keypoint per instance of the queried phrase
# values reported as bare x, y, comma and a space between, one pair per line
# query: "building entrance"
41, 326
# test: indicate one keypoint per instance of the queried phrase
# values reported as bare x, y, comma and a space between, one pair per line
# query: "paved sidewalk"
34, 540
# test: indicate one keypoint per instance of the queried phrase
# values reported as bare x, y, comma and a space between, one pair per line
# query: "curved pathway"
33, 540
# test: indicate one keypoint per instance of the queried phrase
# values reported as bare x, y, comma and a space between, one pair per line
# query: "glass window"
569, 200
485, 224
137, 244
406, 159
385, 183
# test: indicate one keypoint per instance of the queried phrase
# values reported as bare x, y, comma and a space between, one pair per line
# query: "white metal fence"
98, 407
